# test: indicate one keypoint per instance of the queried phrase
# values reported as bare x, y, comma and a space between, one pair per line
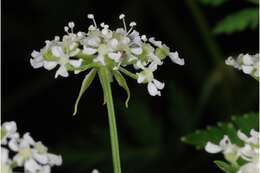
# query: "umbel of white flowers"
26, 153
100, 47
249, 152
249, 64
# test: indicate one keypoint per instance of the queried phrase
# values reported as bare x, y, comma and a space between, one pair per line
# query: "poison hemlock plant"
106, 53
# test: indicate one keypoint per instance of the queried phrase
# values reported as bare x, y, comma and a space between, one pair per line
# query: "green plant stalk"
104, 74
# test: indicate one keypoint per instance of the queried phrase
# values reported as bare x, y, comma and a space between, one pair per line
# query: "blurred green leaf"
227, 168
214, 134
213, 2
145, 128
239, 21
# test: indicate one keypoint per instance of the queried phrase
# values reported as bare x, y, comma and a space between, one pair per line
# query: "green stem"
104, 74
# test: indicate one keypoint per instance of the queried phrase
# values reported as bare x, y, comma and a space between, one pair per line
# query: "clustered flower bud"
249, 64
249, 152
101, 46
32, 156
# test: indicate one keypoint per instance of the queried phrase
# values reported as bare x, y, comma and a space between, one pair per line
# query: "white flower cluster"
101, 46
249, 152
249, 64
32, 156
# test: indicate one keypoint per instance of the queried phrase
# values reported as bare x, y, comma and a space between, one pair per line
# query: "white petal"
62, 71
57, 51
31, 166
139, 65
247, 69
28, 139
115, 56
137, 51
153, 91
213, 148
4, 155
35, 54
247, 60
175, 58
54, 159
242, 136
153, 66
35, 63
100, 58
155, 43
41, 158
93, 42
13, 145
74, 52
158, 84
19, 159
249, 168
155, 59
10, 127
76, 63
46, 169
113, 42
49, 65
140, 78
89, 50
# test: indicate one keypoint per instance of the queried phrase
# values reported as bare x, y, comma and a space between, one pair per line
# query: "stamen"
66, 29
132, 24
71, 25
91, 16
122, 17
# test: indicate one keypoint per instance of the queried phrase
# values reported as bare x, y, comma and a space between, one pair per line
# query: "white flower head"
101, 46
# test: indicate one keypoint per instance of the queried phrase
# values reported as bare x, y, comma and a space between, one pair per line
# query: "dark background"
198, 94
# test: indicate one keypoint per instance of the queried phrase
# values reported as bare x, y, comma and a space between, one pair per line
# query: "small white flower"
230, 151
146, 76
253, 139
249, 64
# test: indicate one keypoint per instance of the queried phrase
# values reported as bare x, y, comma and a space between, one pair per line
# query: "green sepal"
225, 167
161, 52
85, 84
87, 58
122, 82
48, 56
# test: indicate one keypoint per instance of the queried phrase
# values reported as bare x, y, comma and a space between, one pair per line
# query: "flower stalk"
104, 75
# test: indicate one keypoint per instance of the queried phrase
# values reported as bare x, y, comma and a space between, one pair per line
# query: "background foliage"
201, 93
